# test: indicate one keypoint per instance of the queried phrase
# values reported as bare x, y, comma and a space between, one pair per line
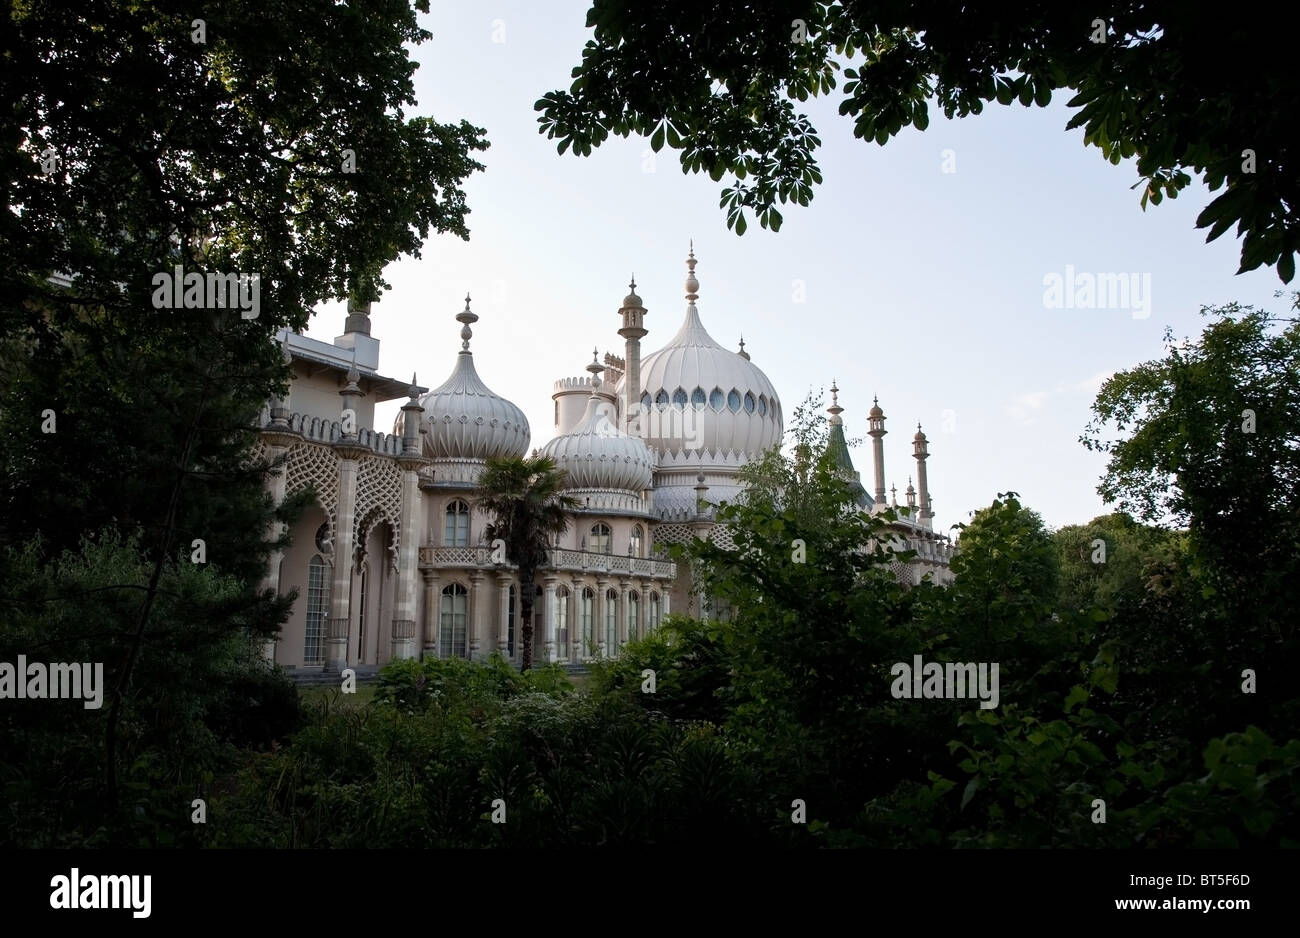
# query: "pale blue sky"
924, 287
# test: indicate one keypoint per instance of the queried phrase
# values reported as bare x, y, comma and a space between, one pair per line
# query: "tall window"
586, 619
361, 619
510, 622
633, 608
455, 603
313, 651
561, 621
635, 542
654, 611
600, 538
456, 531
611, 622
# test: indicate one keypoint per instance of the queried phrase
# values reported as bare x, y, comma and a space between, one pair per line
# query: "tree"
1157, 81
1206, 438
524, 498
144, 140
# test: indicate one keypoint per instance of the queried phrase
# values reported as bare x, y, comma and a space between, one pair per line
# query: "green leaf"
657, 139
974, 785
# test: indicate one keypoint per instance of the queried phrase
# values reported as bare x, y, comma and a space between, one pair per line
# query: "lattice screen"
379, 496
310, 463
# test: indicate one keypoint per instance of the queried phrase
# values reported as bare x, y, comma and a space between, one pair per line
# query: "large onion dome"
597, 455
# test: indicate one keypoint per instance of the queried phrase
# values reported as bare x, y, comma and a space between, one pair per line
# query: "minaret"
633, 331
920, 451
877, 431
911, 494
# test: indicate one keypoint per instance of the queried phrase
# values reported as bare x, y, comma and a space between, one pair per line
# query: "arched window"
561, 622
611, 622
733, 401
587, 620
455, 603
635, 543
557, 413
633, 616
645, 400
654, 611
762, 405
749, 403
600, 538
661, 399
716, 399
313, 651
361, 619
510, 621
679, 398
698, 397
455, 532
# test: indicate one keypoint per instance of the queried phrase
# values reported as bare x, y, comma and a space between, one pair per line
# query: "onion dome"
464, 419
597, 455
700, 397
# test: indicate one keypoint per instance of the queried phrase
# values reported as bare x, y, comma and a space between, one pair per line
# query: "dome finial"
466, 316
835, 409
596, 368
692, 284
742, 353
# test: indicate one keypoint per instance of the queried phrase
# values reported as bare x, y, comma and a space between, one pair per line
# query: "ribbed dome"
702, 396
597, 455
465, 420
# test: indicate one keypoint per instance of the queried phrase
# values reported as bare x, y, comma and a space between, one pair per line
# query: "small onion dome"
875, 409
632, 299
919, 437
597, 455
464, 419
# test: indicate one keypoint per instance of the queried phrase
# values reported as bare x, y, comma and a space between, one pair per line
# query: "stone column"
665, 593
475, 616
431, 609
624, 603
408, 548
645, 608
548, 604
601, 613
503, 613
277, 444
336, 651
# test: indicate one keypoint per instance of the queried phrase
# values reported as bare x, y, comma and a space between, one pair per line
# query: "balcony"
569, 561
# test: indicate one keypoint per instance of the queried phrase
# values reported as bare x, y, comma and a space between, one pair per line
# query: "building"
393, 560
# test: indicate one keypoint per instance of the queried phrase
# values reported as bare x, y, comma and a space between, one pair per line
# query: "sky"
922, 271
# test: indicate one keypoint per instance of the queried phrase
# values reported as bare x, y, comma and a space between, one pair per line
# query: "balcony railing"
579, 561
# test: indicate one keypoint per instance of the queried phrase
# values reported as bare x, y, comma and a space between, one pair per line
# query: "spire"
742, 353
692, 284
835, 409
596, 368
466, 316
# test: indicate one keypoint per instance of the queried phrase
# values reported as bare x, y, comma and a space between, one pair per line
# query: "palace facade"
392, 561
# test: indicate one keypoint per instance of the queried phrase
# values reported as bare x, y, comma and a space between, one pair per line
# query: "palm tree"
525, 500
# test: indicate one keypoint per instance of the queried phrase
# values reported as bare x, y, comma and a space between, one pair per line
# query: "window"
733, 401
749, 403
557, 413
679, 398
661, 399
645, 400
313, 651
561, 622
716, 399
654, 611
635, 543
456, 530
633, 610
587, 619
611, 622
762, 405
600, 539
455, 602
698, 398
361, 619
510, 622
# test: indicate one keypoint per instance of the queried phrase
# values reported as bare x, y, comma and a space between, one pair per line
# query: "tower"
633, 332
876, 430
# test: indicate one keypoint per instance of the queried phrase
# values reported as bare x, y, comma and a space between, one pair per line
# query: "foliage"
1167, 87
